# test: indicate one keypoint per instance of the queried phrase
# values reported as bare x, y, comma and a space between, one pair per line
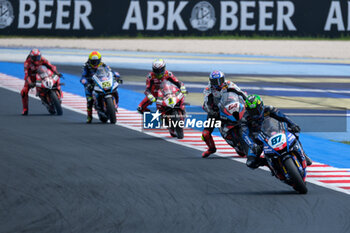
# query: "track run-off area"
61, 175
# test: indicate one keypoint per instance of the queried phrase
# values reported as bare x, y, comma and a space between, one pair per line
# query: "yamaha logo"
6, 14
203, 16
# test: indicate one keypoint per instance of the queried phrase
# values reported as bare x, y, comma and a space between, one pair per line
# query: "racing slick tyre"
111, 110
297, 181
179, 130
56, 103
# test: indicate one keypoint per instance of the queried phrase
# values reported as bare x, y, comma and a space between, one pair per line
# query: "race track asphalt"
60, 175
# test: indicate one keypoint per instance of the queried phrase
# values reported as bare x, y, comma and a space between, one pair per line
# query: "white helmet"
158, 67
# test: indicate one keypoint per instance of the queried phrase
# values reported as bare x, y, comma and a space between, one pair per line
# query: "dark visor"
36, 58
159, 71
217, 81
95, 62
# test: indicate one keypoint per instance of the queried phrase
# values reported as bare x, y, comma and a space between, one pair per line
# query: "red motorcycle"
49, 90
170, 103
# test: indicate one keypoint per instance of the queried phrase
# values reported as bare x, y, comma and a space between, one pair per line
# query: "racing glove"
295, 128
183, 90
151, 98
59, 74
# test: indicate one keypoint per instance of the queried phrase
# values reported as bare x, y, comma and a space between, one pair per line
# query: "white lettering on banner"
82, 16
152, 14
285, 18
335, 17
229, 20
234, 15
27, 17
44, 13
263, 15
245, 15
24, 14
175, 17
134, 9
62, 14
228, 15
155, 12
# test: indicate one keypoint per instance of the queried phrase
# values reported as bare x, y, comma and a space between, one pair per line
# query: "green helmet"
254, 105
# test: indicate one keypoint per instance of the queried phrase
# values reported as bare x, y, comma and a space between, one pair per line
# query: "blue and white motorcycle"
104, 94
284, 154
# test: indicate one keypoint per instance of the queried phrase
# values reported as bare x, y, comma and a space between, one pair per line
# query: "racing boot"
141, 110
25, 112
208, 139
308, 160
89, 116
172, 133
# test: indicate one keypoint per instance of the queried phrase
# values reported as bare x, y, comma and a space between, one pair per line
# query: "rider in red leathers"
153, 81
33, 61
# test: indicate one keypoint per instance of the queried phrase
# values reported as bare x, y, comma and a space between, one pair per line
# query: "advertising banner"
84, 18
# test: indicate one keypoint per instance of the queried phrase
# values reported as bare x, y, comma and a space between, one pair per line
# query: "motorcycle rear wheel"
56, 103
111, 110
298, 183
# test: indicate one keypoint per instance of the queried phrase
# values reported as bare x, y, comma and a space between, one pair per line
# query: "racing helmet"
95, 59
35, 56
254, 106
158, 68
217, 79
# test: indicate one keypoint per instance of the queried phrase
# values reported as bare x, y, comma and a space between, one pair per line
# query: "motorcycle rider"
33, 61
89, 69
153, 81
252, 123
212, 95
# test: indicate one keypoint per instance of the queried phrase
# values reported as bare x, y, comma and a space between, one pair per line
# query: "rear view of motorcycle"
48, 89
170, 103
105, 94
284, 154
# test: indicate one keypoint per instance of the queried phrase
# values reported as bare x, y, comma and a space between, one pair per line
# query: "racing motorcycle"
104, 94
284, 154
47, 86
231, 110
170, 103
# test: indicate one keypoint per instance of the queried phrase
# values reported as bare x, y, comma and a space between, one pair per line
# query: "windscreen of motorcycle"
168, 88
43, 72
231, 106
104, 77
272, 127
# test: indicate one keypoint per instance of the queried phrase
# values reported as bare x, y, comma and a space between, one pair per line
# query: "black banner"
82, 18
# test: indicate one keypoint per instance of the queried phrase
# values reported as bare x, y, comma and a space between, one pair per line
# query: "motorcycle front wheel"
56, 103
297, 181
179, 131
111, 110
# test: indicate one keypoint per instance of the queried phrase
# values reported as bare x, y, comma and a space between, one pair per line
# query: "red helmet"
35, 56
